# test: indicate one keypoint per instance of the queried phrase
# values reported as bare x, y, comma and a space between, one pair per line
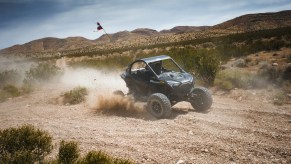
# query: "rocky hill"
145, 36
251, 22
49, 44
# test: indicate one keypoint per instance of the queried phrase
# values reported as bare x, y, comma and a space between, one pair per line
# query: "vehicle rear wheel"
159, 105
200, 99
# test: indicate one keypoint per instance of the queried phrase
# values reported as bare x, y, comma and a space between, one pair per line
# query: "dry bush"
9, 77
236, 78
102, 157
42, 73
271, 73
280, 98
75, 96
25, 144
286, 75
68, 152
8, 91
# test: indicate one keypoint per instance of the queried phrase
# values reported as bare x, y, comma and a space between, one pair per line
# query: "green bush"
236, 78
27, 87
8, 91
9, 77
286, 75
289, 58
206, 66
269, 72
205, 63
42, 72
68, 152
280, 98
11, 90
94, 157
223, 84
25, 144
75, 96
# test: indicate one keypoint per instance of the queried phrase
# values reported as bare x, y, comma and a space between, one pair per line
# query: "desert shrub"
286, 86
9, 77
223, 84
75, 96
96, 157
42, 72
3, 96
8, 91
68, 152
100, 157
286, 75
236, 78
270, 73
274, 74
289, 58
280, 98
122, 161
25, 144
205, 63
27, 87
206, 66
11, 90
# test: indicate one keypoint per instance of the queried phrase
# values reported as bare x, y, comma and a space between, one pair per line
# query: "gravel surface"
249, 130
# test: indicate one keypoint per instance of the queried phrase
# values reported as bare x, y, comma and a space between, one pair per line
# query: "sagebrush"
69, 152
43, 72
25, 144
9, 91
75, 96
28, 144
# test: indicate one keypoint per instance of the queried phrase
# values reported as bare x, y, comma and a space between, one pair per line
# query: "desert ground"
242, 126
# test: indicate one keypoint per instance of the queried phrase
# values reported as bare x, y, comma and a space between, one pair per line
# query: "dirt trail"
246, 131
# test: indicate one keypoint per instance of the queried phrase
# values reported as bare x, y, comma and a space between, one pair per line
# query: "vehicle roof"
155, 58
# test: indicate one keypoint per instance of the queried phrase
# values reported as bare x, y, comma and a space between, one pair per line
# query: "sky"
22, 21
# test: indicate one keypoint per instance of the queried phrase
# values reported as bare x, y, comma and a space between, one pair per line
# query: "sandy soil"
247, 129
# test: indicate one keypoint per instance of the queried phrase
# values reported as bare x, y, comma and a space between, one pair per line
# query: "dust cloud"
118, 105
101, 85
15, 66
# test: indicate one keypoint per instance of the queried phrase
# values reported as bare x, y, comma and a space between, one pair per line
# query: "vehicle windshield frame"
167, 59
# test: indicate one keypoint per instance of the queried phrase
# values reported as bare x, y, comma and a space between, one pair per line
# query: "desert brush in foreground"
28, 144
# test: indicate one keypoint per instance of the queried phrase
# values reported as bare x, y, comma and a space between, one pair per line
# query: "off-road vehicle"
162, 83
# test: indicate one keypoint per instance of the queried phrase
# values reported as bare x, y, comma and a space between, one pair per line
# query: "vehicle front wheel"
200, 99
159, 105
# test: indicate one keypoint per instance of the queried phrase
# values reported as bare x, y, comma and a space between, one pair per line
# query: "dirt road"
251, 130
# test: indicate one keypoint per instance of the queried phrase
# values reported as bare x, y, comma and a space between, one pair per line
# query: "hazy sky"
24, 20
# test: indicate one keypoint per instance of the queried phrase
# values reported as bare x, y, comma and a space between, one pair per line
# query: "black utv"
162, 83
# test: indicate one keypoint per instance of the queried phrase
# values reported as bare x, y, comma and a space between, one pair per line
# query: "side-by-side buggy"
162, 83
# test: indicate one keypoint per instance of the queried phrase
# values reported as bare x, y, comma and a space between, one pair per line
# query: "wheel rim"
156, 107
199, 99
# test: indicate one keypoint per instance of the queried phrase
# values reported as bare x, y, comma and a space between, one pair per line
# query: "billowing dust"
101, 85
118, 105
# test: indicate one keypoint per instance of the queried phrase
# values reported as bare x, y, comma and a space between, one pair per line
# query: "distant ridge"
259, 21
140, 36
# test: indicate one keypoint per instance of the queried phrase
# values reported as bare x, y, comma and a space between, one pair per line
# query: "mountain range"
137, 37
